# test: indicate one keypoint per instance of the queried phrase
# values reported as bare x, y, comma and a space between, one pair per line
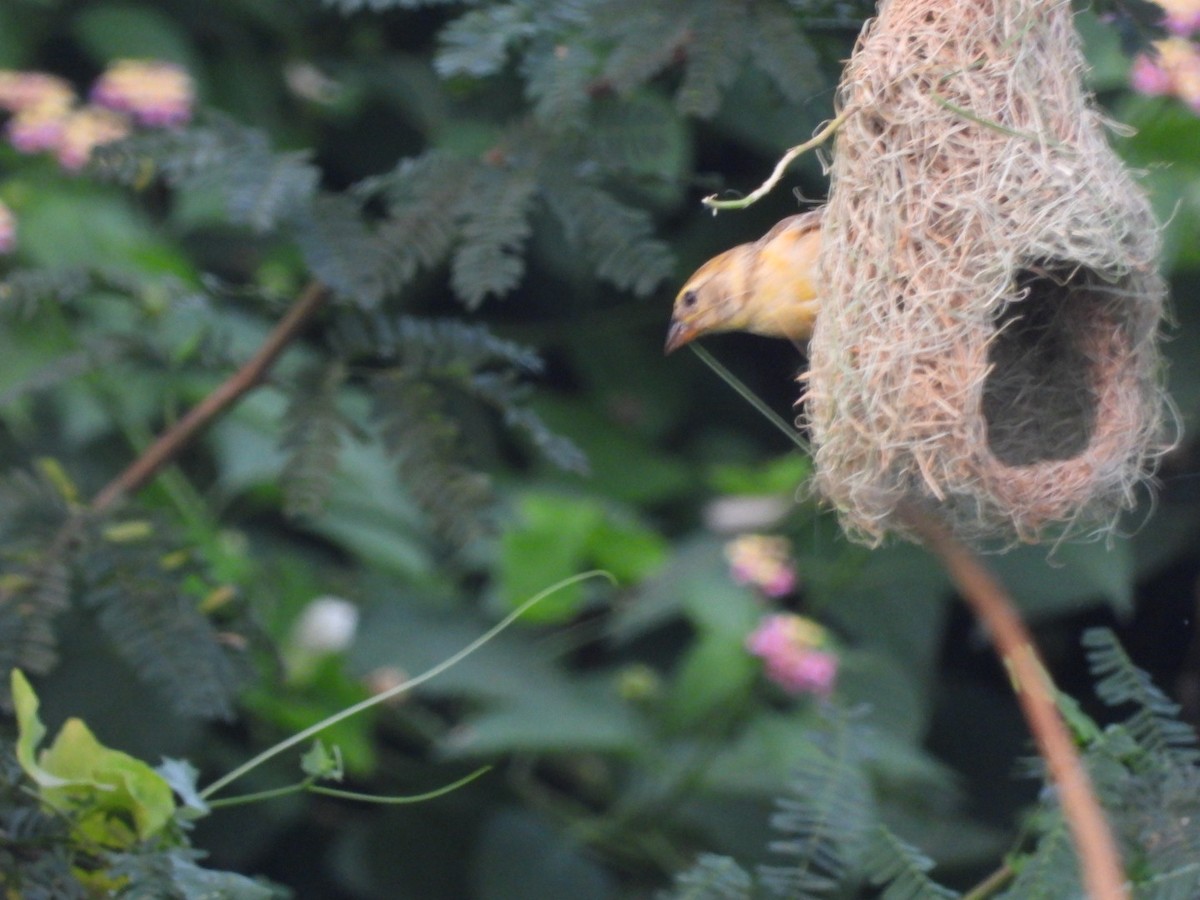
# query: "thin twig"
767, 186
174, 439
1100, 861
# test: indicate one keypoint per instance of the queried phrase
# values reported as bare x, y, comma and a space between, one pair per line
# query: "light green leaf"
30, 732
113, 31
106, 788
715, 676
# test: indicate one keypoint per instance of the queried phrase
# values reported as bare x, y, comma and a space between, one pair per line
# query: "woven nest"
987, 335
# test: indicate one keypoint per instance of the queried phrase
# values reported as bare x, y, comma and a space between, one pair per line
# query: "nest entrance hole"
1041, 395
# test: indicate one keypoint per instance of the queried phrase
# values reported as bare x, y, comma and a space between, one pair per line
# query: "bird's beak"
679, 334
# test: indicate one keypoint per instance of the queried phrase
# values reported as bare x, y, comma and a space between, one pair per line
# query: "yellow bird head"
767, 287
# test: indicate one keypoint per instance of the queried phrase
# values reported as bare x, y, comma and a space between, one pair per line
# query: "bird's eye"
689, 299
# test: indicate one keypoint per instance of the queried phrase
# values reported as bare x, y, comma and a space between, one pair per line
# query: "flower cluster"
154, 94
762, 561
1182, 17
796, 654
1172, 67
47, 117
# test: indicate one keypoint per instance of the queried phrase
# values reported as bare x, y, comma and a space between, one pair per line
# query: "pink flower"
86, 129
762, 561
795, 654
1182, 16
38, 128
8, 229
20, 91
1147, 76
156, 94
1173, 68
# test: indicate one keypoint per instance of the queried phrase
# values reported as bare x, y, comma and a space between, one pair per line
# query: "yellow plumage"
767, 287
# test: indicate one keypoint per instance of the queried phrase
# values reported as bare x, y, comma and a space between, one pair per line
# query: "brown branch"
1100, 861
174, 439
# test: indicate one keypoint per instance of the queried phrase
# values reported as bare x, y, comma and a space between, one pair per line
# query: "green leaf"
107, 788
1068, 578
546, 541
112, 31
196, 883
321, 762
714, 678
783, 475
555, 535
522, 854
30, 732
183, 777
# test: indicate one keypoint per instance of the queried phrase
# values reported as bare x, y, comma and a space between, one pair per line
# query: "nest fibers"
987, 332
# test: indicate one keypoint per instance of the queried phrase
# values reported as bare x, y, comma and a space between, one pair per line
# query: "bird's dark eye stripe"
689, 299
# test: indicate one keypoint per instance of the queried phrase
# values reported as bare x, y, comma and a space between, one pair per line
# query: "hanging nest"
987, 334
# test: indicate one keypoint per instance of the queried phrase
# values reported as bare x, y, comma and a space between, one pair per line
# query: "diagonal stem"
1100, 861
169, 444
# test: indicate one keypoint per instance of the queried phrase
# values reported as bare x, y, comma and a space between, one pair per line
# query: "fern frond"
495, 226
425, 443
36, 555
312, 438
467, 357
900, 869
478, 42
505, 395
352, 6
779, 48
558, 75
712, 877
444, 348
1179, 884
714, 57
157, 627
423, 196
260, 188
1155, 722
1050, 873
647, 37
616, 238
641, 136
345, 254
825, 819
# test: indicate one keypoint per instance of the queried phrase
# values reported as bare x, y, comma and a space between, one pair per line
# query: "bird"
767, 287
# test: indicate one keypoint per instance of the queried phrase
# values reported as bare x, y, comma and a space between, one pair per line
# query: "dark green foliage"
312, 438
825, 819
426, 446
495, 225
39, 858
1050, 872
148, 605
1145, 771
1154, 724
614, 238
535, 162
381, 5
469, 358
52, 549
22, 292
38, 533
346, 254
259, 187
713, 878
423, 195
900, 869
176, 876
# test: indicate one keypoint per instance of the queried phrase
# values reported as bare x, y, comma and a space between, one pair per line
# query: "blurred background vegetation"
502, 198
